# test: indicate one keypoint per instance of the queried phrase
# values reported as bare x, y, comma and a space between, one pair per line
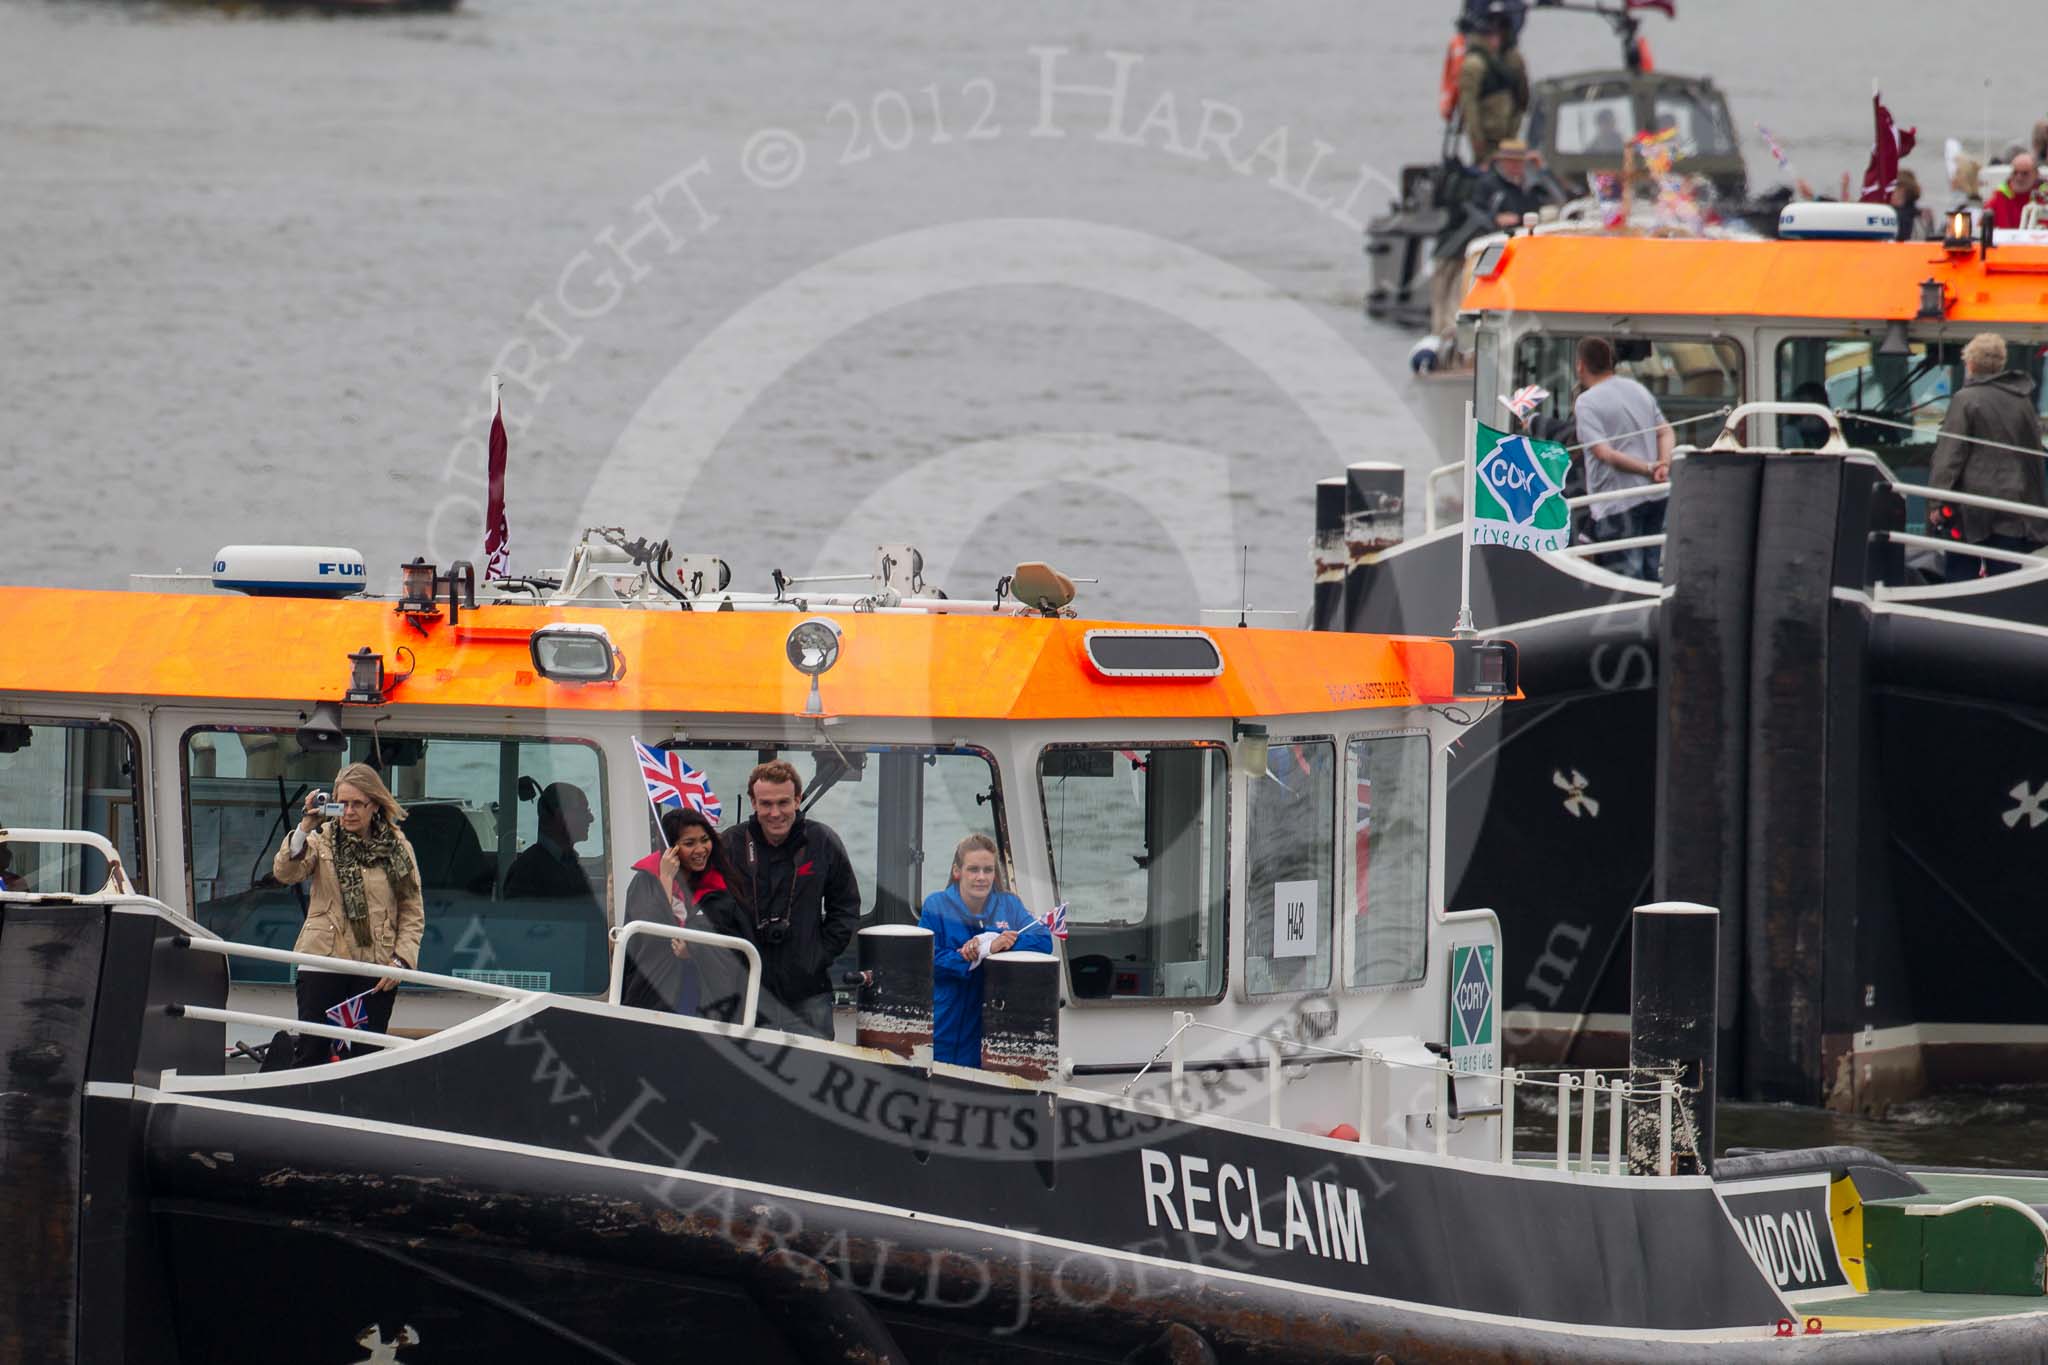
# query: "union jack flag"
350, 1013
1056, 921
672, 782
1525, 400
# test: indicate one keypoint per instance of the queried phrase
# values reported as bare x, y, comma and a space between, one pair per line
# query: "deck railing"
458, 984
1728, 439
1621, 1086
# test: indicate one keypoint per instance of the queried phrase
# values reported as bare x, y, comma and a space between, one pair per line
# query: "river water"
1054, 280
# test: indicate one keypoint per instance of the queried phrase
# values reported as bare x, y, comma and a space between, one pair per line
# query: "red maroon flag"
1893, 145
497, 538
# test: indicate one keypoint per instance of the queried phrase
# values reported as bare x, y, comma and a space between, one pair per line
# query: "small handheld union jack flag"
1525, 400
1056, 921
673, 783
350, 1013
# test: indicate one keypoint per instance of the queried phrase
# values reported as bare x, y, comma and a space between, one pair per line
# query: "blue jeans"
1643, 519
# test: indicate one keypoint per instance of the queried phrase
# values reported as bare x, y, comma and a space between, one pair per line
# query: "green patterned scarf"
353, 853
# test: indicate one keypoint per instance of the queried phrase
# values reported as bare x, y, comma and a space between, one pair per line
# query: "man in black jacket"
800, 893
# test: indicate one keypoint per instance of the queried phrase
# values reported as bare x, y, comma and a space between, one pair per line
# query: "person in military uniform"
1493, 81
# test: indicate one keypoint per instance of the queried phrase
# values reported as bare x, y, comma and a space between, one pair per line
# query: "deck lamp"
367, 681
416, 587
567, 652
1959, 238
1933, 299
812, 647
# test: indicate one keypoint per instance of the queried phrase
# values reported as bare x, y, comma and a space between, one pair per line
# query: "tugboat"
1582, 124
1250, 1110
1800, 724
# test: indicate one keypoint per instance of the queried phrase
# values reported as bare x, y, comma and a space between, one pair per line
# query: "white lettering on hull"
1785, 1247
1180, 1197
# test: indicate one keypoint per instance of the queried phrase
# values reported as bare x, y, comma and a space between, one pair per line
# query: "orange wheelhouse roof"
1649, 276
295, 650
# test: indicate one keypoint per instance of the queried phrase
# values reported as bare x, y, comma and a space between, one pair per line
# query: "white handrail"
2022, 509
117, 883
1648, 491
1996, 1201
1834, 445
1964, 547
348, 967
1618, 1083
625, 933
1587, 548
1616, 1097
1590, 1086
345, 1035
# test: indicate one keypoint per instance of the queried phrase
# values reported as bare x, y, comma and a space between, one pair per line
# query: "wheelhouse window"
1702, 124
1390, 873
1290, 874
899, 809
68, 774
1139, 839
1597, 121
510, 834
1855, 376
1688, 376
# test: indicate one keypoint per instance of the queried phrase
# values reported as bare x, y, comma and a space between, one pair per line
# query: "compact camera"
328, 807
773, 932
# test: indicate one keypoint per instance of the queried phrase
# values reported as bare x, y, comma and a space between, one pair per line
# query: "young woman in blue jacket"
961, 919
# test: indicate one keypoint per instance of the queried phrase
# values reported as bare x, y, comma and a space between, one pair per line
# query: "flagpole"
1464, 622
652, 808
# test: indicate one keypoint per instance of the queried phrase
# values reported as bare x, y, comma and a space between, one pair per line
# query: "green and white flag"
1518, 492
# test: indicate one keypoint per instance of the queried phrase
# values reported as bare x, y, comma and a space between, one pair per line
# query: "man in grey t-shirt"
1627, 444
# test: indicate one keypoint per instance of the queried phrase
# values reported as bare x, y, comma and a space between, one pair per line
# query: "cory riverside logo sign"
1518, 500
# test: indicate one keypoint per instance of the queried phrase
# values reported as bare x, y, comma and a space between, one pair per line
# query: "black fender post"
1702, 793
1792, 685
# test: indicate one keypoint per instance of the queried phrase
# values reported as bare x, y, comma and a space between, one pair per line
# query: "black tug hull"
568, 1181
1852, 778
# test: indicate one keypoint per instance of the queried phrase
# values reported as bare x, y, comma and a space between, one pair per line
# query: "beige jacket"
397, 914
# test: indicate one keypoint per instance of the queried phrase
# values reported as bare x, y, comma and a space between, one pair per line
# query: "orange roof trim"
1651, 276
222, 648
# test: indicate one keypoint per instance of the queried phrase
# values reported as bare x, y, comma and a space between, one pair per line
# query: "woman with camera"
365, 903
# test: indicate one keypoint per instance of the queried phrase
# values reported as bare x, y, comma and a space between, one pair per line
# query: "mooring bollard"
894, 1011
1373, 521
1327, 612
1672, 985
1020, 1014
